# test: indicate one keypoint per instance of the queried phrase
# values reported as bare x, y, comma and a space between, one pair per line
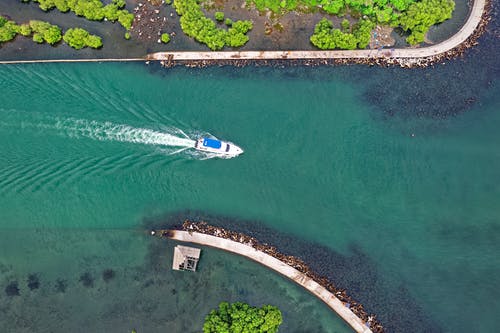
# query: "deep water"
384, 179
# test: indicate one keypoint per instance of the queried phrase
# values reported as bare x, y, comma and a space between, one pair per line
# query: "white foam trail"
179, 151
167, 141
184, 134
107, 131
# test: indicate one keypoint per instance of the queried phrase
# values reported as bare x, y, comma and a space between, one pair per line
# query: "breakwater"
292, 267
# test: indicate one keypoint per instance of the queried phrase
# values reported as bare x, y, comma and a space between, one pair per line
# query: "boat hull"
223, 149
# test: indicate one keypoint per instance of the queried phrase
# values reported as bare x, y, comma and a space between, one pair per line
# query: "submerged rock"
12, 289
108, 274
87, 280
33, 281
61, 285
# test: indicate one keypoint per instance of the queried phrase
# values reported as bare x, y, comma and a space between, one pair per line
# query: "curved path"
465, 32
269, 261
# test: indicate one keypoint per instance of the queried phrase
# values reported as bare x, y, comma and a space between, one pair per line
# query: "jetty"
246, 250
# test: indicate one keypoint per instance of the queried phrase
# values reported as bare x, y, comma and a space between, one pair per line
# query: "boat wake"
165, 140
135, 148
107, 131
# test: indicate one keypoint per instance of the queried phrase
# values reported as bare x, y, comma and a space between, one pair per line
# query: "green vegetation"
240, 317
45, 32
79, 38
165, 38
341, 7
346, 25
327, 38
204, 30
8, 30
93, 10
219, 16
420, 16
413, 16
25, 30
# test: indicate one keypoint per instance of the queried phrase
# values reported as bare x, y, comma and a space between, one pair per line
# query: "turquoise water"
402, 210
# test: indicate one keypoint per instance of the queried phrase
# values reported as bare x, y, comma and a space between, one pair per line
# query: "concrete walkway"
269, 261
423, 52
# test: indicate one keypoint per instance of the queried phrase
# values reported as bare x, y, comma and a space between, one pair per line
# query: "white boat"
222, 148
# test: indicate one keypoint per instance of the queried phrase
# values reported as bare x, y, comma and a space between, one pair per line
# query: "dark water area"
444, 90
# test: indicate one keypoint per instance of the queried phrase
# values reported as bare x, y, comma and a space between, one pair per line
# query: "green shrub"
93, 10
38, 38
242, 26
345, 24
45, 32
62, 5
204, 30
127, 35
120, 3
241, 317
362, 31
165, 38
333, 7
420, 16
111, 12
8, 30
219, 16
126, 19
94, 41
228, 22
25, 30
79, 38
383, 15
327, 38
401, 5
76, 38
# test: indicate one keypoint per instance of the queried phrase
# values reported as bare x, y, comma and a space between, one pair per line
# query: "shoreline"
451, 48
291, 267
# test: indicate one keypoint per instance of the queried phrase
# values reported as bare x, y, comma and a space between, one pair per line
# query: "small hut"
185, 258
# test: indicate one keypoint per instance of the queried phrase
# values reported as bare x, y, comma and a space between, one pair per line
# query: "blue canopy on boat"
211, 143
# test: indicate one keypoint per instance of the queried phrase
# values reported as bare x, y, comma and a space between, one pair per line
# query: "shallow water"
69, 289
